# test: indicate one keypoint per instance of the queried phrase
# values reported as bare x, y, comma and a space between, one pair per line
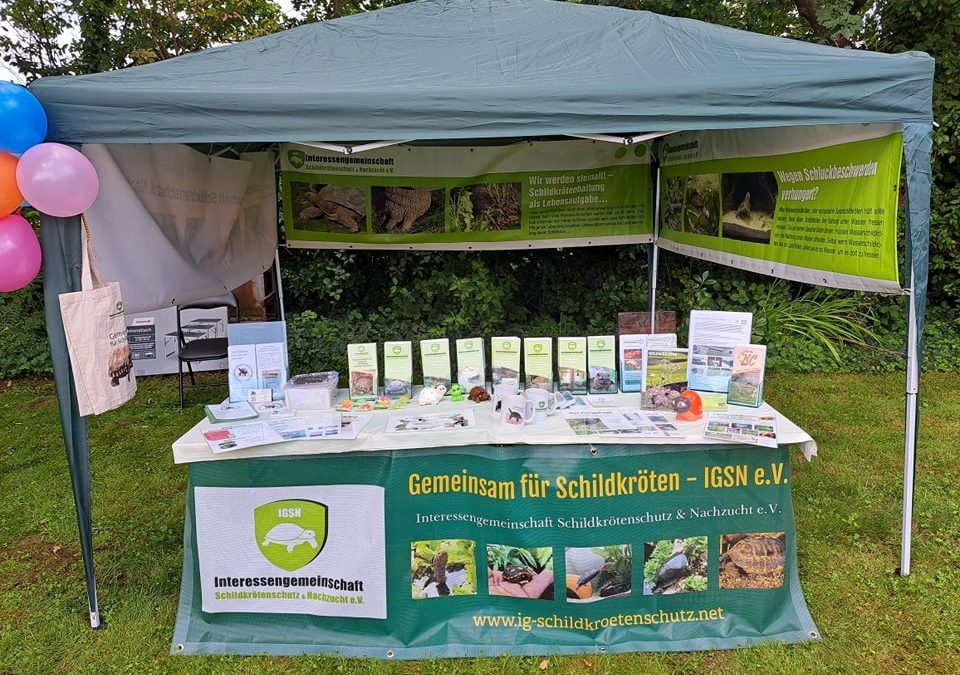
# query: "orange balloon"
10, 197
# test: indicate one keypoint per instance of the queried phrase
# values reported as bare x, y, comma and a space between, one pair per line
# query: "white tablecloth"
554, 431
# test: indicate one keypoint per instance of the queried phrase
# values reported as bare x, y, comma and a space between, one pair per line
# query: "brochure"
398, 369
623, 424
746, 381
713, 400
362, 364
240, 436
664, 377
631, 357
572, 364
290, 428
713, 335
751, 429
471, 363
230, 412
432, 422
335, 426
602, 364
435, 355
538, 363
257, 358
505, 360
352, 424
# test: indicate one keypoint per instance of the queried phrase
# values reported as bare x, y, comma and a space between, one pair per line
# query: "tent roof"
441, 69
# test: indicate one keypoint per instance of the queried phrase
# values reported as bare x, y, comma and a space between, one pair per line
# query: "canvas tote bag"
97, 339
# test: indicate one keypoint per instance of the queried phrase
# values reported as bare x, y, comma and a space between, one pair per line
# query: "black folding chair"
202, 348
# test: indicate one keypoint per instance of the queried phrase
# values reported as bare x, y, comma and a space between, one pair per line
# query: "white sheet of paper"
240, 436
432, 421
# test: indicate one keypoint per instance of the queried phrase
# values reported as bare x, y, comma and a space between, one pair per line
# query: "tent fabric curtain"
62, 259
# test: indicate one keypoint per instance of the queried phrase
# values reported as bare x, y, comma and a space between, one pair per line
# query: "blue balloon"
23, 123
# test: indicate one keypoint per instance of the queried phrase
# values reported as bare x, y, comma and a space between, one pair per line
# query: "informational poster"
529, 194
482, 551
812, 204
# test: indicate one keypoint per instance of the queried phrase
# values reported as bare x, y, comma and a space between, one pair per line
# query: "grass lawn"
847, 503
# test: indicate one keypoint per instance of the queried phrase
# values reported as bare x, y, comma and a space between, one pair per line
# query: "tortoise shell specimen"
756, 555
517, 574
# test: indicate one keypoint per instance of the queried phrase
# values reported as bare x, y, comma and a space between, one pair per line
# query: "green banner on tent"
523, 195
481, 551
813, 204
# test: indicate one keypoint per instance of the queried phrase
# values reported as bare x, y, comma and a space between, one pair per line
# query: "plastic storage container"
311, 391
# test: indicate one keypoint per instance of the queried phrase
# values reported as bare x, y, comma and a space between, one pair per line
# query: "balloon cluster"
53, 178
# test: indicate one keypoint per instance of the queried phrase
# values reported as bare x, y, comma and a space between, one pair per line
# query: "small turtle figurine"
478, 395
431, 395
456, 393
518, 574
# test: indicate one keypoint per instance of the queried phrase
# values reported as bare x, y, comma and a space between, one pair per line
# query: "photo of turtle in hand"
520, 572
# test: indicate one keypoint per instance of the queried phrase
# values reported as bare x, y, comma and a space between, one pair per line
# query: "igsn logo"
290, 533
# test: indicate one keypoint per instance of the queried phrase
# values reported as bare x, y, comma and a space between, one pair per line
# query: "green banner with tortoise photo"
522, 195
481, 551
812, 204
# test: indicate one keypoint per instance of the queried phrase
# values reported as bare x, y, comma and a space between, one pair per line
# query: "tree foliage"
73, 37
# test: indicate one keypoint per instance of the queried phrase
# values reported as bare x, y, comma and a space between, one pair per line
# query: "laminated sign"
97, 339
292, 550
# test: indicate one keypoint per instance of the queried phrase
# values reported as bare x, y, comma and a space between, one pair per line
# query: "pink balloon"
19, 253
57, 180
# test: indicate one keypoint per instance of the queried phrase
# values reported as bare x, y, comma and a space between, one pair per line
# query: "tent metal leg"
276, 266
654, 263
655, 252
910, 435
60, 239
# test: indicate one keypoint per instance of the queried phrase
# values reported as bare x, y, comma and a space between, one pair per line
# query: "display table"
191, 447
479, 542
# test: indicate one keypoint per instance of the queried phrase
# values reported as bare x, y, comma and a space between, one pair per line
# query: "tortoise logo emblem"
291, 532
296, 158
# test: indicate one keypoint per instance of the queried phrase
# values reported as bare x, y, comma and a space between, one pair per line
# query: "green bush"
24, 349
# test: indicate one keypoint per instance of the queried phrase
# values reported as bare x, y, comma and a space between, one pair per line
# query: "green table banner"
521, 195
812, 204
482, 551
